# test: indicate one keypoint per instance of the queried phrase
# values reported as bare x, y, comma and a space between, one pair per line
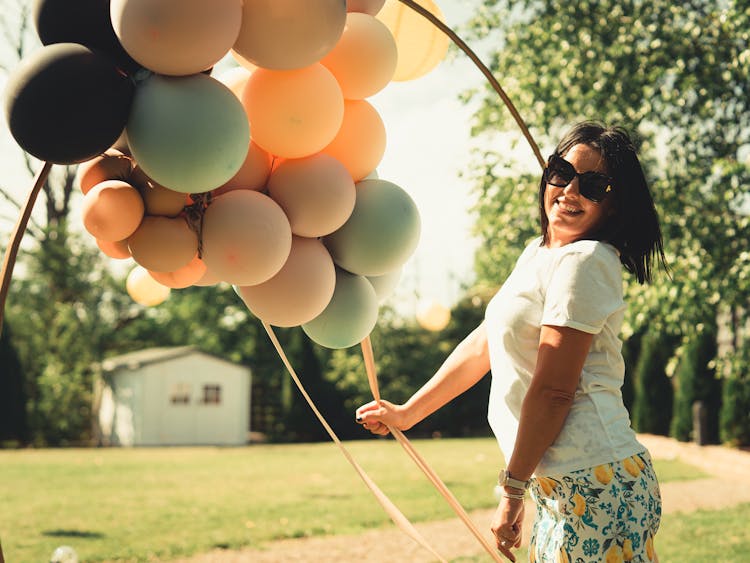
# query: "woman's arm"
467, 364
562, 353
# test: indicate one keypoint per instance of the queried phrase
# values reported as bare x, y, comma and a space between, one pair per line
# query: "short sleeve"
584, 290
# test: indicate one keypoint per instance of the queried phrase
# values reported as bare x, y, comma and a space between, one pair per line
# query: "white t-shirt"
578, 285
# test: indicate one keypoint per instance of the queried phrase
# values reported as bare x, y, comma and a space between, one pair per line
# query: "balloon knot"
194, 214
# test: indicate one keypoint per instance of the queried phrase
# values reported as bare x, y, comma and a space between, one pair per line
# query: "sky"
428, 145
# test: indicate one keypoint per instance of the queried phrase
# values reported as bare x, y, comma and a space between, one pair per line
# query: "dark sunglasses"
594, 186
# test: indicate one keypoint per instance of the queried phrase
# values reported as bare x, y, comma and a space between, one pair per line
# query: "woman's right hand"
377, 416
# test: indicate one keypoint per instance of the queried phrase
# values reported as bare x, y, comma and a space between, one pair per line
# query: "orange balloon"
117, 249
316, 193
301, 289
162, 244
289, 34
182, 277
246, 237
112, 210
421, 45
177, 37
144, 289
254, 172
293, 113
364, 59
235, 79
158, 199
360, 143
112, 165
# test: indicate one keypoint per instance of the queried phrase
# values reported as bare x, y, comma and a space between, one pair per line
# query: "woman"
550, 337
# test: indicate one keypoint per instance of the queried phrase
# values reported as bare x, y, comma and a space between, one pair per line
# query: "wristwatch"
505, 480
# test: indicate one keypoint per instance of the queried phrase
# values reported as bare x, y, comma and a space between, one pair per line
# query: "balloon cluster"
261, 177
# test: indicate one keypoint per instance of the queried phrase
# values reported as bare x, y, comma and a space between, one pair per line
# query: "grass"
149, 503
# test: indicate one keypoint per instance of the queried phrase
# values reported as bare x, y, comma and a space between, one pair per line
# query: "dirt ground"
728, 485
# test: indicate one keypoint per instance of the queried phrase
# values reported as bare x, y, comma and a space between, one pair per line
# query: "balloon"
112, 165
189, 134
177, 37
158, 199
421, 45
253, 174
246, 237
235, 79
186, 276
144, 289
316, 193
385, 284
301, 289
381, 233
86, 22
243, 62
208, 278
293, 113
117, 249
433, 316
364, 59
161, 244
371, 7
289, 34
66, 104
360, 143
112, 210
349, 317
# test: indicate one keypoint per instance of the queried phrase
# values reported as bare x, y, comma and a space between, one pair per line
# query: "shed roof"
135, 360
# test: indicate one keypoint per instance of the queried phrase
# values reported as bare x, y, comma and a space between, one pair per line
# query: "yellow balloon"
421, 46
144, 289
433, 316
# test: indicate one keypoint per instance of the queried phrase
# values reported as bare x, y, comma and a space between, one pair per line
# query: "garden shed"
172, 396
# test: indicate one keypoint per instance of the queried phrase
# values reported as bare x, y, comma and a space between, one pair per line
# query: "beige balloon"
163, 244
289, 34
246, 237
207, 279
300, 291
158, 199
433, 316
145, 290
112, 210
316, 193
253, 174
112, 165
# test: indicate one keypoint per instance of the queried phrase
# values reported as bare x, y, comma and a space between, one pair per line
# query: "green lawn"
137, 504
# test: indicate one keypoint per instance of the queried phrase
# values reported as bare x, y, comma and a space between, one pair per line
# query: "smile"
568, 209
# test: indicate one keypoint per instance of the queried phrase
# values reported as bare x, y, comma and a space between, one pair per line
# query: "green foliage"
735, 412
652, 409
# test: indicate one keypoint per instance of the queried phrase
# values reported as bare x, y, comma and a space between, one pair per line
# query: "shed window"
180, 394
212, 394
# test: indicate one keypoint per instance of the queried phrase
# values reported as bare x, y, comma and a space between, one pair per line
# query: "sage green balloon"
190, 134
381, 233
385, 285
350, 315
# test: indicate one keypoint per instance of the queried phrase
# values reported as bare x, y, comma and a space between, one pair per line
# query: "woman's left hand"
507, 525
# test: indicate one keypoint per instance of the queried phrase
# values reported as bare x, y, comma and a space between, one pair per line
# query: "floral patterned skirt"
608, 513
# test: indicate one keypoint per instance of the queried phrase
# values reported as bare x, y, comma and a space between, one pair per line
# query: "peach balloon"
145, 290
364, 59
289, 34
235, 79
421, 45
433, 316
301, 289
316, 193
112, 165
254, 172
162, 244
112, 210
182, 277
158, 199
371, 7
177, 37
246, 237
293, 113
117, 249
360, 143
208, 278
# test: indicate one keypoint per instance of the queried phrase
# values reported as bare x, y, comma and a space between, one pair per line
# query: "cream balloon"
246, 237
177, 37
301, 289
433, 316
316, 193
144, 289
163, 244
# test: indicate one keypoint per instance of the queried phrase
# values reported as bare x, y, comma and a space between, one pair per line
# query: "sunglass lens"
594, 187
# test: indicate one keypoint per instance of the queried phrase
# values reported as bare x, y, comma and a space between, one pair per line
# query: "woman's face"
571, 216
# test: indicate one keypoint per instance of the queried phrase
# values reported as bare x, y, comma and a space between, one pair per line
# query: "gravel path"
451, 539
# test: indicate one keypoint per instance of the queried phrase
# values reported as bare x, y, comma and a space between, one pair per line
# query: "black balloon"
81, 21
66, 103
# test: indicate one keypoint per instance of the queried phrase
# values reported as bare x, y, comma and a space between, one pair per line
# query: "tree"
678, 74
